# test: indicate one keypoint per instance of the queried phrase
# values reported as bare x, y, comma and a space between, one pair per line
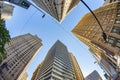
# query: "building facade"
24, 77
20, 52
57, 65
6, 10
77, 70
93, 76
110, 1
57, 8
89, 32
35, 74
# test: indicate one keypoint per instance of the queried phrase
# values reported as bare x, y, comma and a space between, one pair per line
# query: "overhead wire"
33, 14
61, 27
23, 27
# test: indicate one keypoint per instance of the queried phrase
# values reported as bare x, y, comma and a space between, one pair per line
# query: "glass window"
116, 30
107, 28
118, 10
117, 21
118, 15
115, 42
118, 44
111, 41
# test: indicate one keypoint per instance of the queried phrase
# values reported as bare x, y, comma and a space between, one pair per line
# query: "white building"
6, 10
20, 51
57, 8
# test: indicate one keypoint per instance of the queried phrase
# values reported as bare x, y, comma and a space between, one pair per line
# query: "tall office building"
20, 52
93, 76
6, 10
57, 65
105, 65
57, 8
24, 77
77, 70
89, 32
110, 1
35, 74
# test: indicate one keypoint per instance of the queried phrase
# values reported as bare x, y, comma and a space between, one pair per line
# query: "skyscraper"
20, 52
110, 1
6, 10
89, 32
57, 8
35, 74
93, 76
57, 65
77, 70
24, 77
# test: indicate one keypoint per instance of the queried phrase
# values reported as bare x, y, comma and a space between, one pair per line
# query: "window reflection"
114, 42
116, 30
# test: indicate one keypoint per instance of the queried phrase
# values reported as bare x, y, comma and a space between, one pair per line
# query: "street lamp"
103, 33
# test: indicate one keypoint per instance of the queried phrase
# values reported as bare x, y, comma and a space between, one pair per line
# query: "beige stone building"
57, 8
24, 77
89, 32
35, 74
6, 10
20, 52
76, 67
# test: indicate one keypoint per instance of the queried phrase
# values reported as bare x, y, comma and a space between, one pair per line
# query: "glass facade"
57, 64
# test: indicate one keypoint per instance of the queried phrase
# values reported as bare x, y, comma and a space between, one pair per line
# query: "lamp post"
103, 33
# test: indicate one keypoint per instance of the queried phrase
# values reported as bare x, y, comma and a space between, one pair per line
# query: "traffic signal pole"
103, 33
38, 10
25, 4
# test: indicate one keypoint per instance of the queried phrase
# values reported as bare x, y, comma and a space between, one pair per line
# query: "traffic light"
25, 4
106, 76
22, 3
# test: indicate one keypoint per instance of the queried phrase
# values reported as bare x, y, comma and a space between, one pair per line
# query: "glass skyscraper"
58, 65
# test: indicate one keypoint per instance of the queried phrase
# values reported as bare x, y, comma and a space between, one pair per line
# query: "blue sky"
29, 21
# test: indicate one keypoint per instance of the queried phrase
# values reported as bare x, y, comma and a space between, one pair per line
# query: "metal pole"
93, 14
38, 10
103, 33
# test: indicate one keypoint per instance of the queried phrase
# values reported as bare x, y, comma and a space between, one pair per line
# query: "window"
115, 42
111, 21
117, 21
116, 30
12, 75
118, 15
118, 10
111, 40
107, 28
118, 44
